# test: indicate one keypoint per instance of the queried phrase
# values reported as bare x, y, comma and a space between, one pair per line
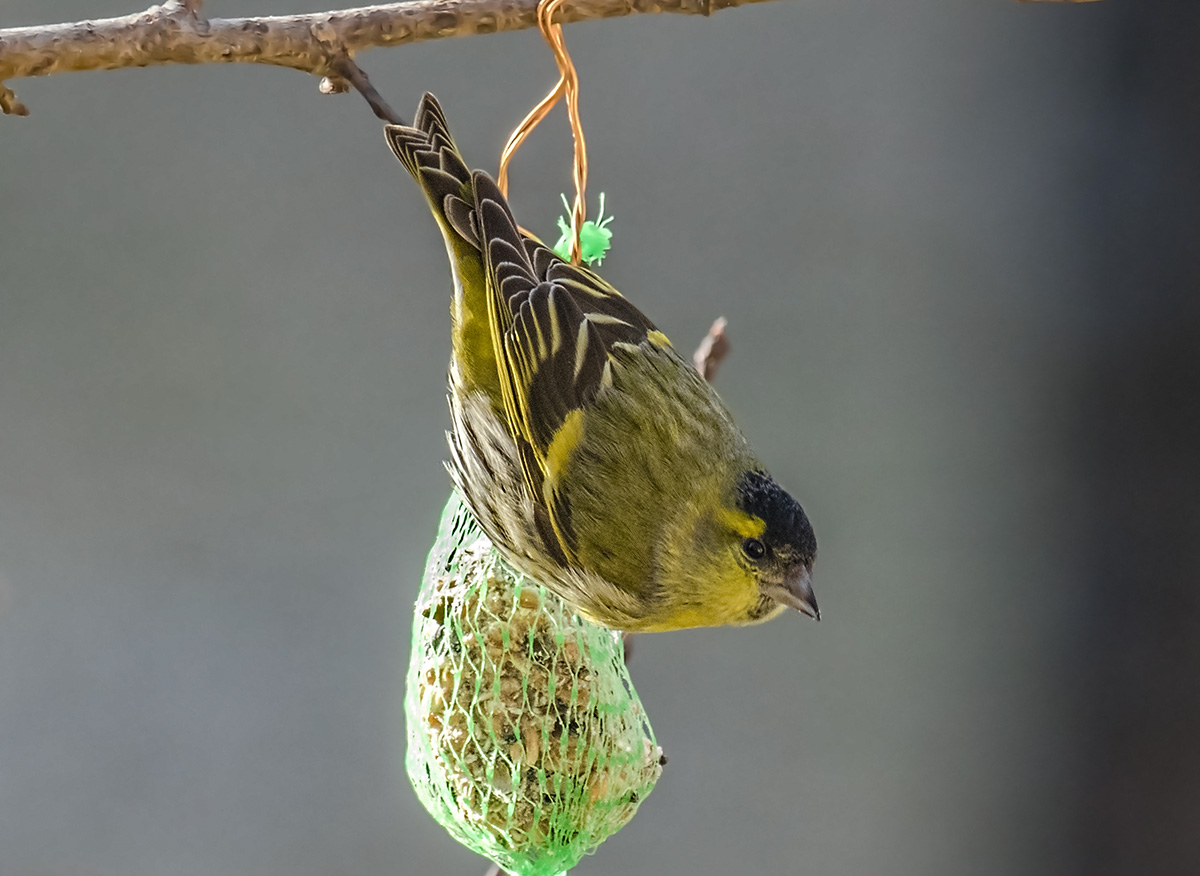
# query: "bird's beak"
795, 591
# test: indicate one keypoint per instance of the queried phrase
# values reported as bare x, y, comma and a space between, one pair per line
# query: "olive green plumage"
593, 455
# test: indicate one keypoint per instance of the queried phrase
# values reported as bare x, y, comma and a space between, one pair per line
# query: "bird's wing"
554, 325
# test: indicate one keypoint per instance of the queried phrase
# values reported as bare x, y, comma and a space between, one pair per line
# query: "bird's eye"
754, 549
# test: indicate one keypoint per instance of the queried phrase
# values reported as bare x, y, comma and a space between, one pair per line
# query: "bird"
591, 453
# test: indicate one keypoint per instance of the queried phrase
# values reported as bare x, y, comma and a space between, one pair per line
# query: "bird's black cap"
788, 530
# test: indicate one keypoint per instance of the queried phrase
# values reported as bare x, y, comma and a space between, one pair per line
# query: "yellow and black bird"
592, 454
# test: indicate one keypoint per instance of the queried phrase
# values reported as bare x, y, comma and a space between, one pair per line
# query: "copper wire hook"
568, 84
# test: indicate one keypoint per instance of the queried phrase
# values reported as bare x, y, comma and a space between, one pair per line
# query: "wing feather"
554, 326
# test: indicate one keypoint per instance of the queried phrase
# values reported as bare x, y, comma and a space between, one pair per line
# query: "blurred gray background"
957, 246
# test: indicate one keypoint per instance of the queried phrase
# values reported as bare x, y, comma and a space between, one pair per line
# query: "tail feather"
428, 134
429, 153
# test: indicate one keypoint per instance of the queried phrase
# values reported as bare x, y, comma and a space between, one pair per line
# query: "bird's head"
772, 541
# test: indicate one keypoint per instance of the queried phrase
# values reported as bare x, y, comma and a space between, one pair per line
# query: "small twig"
351, 73
712, 350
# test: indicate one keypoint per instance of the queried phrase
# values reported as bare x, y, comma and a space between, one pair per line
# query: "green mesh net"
526, 739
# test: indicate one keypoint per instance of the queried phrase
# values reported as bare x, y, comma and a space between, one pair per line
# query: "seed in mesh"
511, 709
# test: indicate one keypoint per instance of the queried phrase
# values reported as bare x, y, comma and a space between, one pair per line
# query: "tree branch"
176, 33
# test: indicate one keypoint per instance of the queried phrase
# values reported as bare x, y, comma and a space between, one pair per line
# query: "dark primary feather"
557, 322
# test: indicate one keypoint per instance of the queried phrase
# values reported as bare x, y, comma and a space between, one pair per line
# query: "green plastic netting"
526, 739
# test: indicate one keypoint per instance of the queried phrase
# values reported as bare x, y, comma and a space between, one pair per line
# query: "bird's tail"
428, 152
